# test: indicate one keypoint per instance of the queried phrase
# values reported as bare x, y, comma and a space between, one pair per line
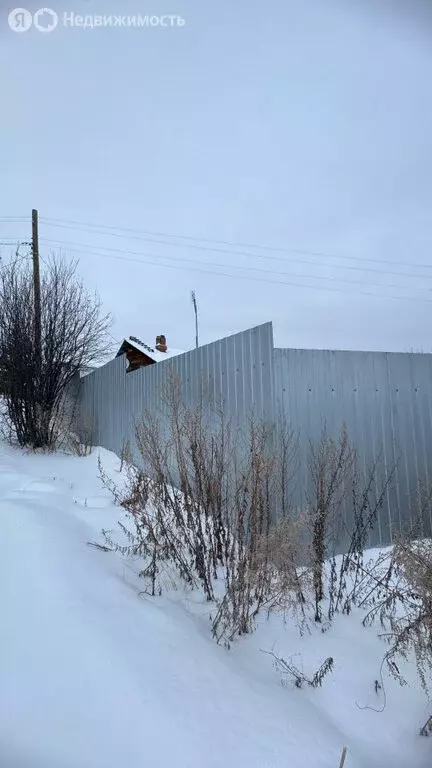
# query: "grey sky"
302, 124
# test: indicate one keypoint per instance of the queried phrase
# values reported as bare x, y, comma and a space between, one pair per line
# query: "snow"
95, 675
159, 357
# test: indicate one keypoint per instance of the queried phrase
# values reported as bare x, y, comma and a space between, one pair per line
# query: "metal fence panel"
115, 400
384, 401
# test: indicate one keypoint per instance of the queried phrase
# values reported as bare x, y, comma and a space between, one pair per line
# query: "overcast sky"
301, 125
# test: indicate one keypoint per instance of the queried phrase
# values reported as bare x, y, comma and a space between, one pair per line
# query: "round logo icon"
20, 20
45, 20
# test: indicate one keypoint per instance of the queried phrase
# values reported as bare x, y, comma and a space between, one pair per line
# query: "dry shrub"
204, 508
330, 467
211, 505
261, 569
289, 671
395, 589
351, 577
405, 607
80, 439
338, 486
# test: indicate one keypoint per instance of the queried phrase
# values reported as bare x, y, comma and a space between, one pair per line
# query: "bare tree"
74, 334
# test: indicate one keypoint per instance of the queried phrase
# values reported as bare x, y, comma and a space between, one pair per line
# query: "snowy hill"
95, 675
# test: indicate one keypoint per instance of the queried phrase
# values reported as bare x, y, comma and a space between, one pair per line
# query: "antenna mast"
194, 302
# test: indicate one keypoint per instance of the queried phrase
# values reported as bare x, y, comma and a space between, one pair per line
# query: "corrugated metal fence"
384, 399
236, 372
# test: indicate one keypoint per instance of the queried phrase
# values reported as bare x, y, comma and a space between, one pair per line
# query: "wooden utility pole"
36, 284
194, 302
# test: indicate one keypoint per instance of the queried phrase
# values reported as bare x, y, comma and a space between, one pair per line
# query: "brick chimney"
161, 344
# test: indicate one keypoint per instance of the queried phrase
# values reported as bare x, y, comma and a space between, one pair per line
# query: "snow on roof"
154, 354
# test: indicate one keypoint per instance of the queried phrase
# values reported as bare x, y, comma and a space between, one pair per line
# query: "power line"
76, 246
235, 267
14, 218
114, 339
88, 227
248, 255
246, 277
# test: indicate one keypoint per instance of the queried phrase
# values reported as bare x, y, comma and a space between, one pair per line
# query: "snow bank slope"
94, 676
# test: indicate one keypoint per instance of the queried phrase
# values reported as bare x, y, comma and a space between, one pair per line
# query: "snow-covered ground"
93, 675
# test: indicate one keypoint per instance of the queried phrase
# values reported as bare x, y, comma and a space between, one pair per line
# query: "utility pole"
194, 302
36, 284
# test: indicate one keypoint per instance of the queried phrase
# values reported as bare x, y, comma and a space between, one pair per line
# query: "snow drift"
96, 675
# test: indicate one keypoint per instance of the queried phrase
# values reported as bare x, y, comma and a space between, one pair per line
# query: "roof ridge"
142, 343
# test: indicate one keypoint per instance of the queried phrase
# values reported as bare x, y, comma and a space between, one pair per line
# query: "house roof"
152, 353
